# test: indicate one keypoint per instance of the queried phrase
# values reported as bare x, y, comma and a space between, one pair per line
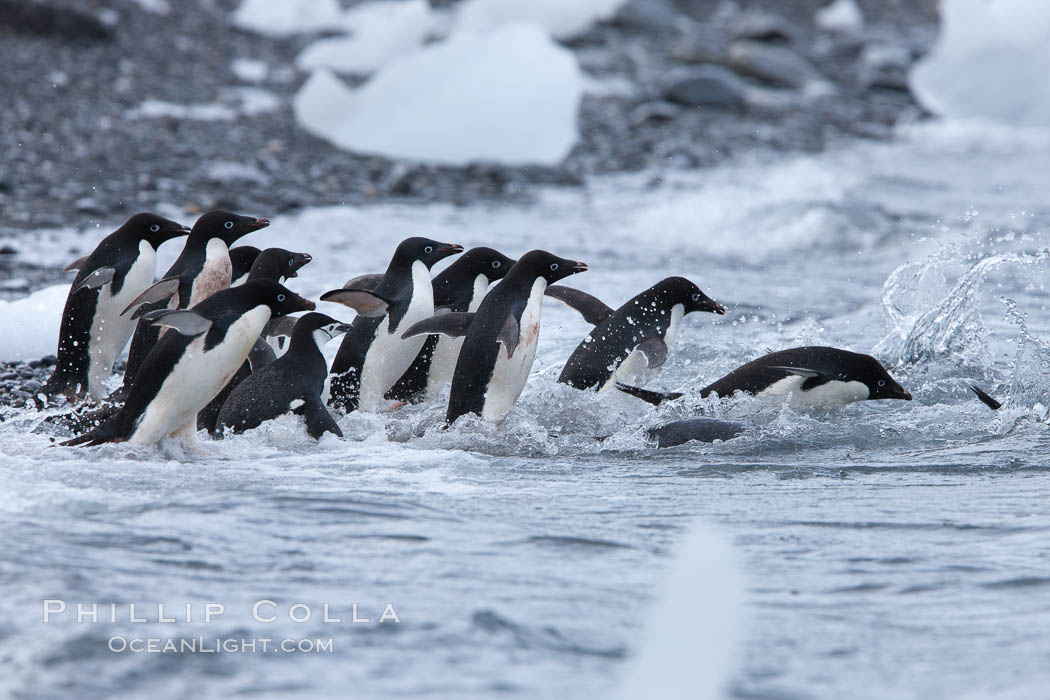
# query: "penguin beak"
299, 260
579, 267
256, 224
902, 393
714, 307
451, 249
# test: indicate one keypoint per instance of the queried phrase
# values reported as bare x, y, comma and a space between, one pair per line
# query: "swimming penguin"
634, 338
278, 265
191, 364
373, 355
293, 382
203, 268
460, 287
93, 333
812, 376
242, 258
500, 338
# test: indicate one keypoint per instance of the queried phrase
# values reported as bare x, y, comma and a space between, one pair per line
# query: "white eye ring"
696, 297
290, 263
496, 264
280, 297
882, 382
429, 249
554, 266
154, 228
228, 224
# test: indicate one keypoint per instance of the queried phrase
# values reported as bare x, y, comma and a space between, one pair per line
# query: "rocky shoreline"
676, 84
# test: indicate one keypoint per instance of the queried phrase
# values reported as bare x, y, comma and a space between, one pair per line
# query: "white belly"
389, 356
216, 274
827, 395
446, 353
635, 369
511, 373
196, 379
110, 331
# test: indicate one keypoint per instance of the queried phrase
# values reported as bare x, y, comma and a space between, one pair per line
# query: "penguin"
986, 398
634, 338
278, 265
500, 338
373, 356
203, 268
293, 382
680, 432
93, 333
460, 287
812, 376
190, 365
242, 258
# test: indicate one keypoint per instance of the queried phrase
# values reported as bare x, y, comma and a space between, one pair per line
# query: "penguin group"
215, 347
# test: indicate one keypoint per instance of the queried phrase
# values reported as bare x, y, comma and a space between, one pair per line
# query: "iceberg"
991, 62
32, 324
510, 96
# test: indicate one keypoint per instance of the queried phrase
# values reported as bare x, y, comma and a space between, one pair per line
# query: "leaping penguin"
373, 355
293, 382
634, 338
500, 338
190, 365
93, 332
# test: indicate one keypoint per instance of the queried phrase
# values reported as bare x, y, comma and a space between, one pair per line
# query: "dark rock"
758, 25
7, 249
647, 16
702, 44
885, 66
52, 19
709, 86
659, 111
49, 360
774, 64
32, 386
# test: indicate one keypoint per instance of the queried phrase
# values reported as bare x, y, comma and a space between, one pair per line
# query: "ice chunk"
510, 96
991, 61
250, 70
31, 324
564, 19
381, 31
287, 17
840, 16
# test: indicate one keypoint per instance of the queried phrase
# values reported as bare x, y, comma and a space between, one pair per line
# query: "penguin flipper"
454, 324
183, 321
101, 276
510, 335
366, 282
318, 419
363, 301
76, 265
655, 351
593, 309
157, 293
986, 398
814, 377
654, 397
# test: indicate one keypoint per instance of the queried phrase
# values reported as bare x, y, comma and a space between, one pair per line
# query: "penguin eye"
696, 297
280, 297
228, 224
154, 228
429, 249
290, 263
496, 264
554, 266
882, 382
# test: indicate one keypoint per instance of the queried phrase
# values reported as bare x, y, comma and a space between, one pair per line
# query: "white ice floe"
840, 16
287, 17
510, 95
991, 62
31, 324
688, 648
152, 109
562, 18
250, 70
381, 31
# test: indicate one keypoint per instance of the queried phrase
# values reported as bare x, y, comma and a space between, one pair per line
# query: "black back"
242, 258
645, 316
278, 264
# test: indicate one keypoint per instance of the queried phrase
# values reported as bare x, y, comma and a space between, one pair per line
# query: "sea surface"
886, 550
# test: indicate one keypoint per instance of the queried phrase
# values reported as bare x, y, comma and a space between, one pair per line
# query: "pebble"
774, 64
709, 86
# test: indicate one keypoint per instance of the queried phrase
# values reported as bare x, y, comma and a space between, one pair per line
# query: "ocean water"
885, 550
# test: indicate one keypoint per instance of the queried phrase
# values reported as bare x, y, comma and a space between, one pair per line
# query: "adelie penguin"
293, 382
458, 288
373, 355
812, 376
193, 362
203, 268
635, 338
500, 338
93, 332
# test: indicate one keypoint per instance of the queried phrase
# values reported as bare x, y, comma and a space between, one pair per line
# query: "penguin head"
226, 225
243, 257
481, 261
320, 327
679, 290
154, 229
278, 264
280, 299
879, 382
540, 263
425, 250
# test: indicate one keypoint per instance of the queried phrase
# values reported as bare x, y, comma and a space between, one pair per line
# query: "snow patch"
250, 70
562, 19
511, 96
990, 62
840, 16
31, 324
282, 18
